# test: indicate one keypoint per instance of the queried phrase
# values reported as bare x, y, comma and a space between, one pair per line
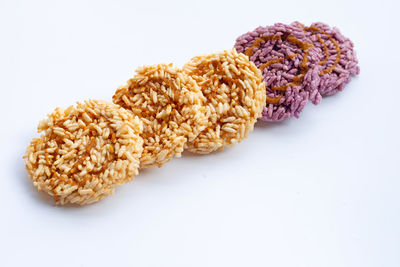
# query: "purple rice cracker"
333, 54
281, 53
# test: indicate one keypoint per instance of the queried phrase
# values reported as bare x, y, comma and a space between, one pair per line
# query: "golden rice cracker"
235, 93
85, 152
171, 107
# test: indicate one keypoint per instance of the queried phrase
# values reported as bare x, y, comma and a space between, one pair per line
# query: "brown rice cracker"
235, 93
85, 151
170, 104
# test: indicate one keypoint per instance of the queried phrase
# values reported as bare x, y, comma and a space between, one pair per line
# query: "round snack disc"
282, 54
334, 54
170, 104
235, 96
85, 151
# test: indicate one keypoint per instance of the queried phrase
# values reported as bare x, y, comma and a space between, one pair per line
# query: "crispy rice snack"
171, 106
85, 151
235, 93
282, 54
334, 55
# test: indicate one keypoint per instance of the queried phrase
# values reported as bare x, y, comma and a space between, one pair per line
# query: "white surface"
322, 190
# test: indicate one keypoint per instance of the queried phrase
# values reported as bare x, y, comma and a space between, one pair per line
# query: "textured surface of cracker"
235, 96
319, 191
334, 55
282, 53
84, 152
171, 106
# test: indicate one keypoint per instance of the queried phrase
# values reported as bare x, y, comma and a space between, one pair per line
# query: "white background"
322, 190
